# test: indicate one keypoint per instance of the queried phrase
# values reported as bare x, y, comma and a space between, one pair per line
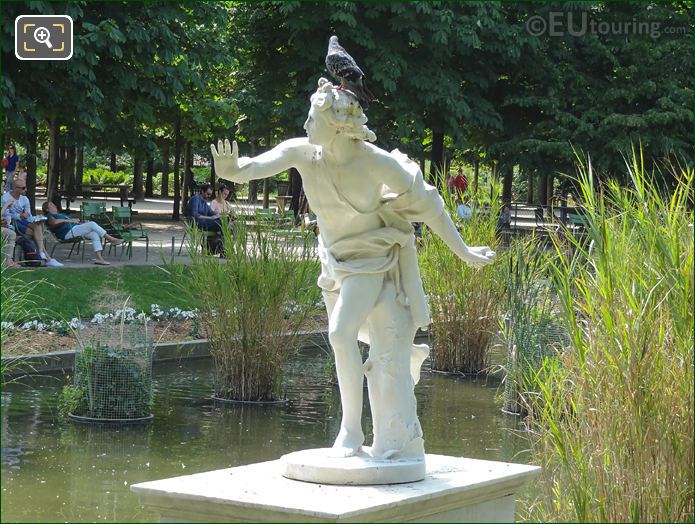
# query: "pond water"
56, 470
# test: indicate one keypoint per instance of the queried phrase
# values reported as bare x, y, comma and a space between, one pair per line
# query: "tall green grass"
614, 415
464, 301
18, 304
252, 305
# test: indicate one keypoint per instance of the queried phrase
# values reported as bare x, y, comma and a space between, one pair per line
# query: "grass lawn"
68, 293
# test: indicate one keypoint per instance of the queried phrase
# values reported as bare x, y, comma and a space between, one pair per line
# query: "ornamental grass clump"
613, 418
252, 305
19, 305
464, 302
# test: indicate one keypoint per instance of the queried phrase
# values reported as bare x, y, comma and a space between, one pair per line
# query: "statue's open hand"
226, 158
479, 256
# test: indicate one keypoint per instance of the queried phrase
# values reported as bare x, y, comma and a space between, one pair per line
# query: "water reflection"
54, 469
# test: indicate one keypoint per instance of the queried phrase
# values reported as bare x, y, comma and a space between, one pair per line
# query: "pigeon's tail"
360, 91
367, 92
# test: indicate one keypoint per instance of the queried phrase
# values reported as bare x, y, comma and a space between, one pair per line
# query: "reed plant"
19, 304
613, 419
252, 305
464, 302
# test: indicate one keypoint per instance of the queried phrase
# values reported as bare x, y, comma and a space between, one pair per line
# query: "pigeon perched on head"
343, 68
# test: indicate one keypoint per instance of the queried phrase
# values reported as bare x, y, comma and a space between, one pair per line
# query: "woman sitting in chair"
65, 228
220, 204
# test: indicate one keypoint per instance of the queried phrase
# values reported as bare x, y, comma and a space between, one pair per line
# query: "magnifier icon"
42, 36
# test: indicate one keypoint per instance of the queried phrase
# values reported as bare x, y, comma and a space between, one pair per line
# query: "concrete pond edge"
64, 361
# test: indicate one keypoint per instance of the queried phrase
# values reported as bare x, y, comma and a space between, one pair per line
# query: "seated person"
221, 205
200, 211
19, 210
65, 228
8, 239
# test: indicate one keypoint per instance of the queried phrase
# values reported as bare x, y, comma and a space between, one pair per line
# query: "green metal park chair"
76, 242
96, 212
122, 219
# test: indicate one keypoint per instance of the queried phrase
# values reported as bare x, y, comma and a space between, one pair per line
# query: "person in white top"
220, 204
19, 210
365, 199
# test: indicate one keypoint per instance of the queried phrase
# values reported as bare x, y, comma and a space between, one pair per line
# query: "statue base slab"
321, 466
454, 490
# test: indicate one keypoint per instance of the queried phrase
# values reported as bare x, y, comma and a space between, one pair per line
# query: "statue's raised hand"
226, 159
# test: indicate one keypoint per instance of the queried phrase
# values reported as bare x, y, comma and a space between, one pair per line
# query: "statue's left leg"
397, 431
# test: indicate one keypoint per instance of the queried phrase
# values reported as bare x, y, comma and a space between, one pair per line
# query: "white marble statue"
365, 199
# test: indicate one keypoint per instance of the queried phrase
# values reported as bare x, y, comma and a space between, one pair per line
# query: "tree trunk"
476, 174
266, 193
79, 167
437, 174
253, 184
113, 163
253, 192
137, 179
543, 190
150, 179
295, 191
507, 184
165, 168
187, 174
177, 180
493, 178
213, 180
52, 177
550, 191
529, 187
62, 168
30, 160
70, 167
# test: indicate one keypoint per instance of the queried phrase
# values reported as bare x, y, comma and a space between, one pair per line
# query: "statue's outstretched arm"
422, 203
229, 166
444, 227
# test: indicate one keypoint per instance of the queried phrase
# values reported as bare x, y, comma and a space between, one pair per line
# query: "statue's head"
333, 112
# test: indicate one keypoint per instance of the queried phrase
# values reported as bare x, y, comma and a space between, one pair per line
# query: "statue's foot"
415, 449
380, 453
347, 444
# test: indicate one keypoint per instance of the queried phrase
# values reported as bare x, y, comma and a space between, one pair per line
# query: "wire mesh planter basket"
113, 377
544, 338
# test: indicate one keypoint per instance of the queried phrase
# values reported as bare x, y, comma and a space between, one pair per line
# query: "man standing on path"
12, 160
458, 183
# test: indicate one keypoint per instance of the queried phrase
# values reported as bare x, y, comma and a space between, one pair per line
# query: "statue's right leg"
358, 294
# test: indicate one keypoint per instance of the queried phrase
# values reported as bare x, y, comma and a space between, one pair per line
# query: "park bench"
89, 191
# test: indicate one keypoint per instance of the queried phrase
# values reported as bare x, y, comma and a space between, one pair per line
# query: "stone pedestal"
454, 490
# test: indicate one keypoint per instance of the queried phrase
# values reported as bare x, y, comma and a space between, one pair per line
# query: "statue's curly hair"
345, 113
